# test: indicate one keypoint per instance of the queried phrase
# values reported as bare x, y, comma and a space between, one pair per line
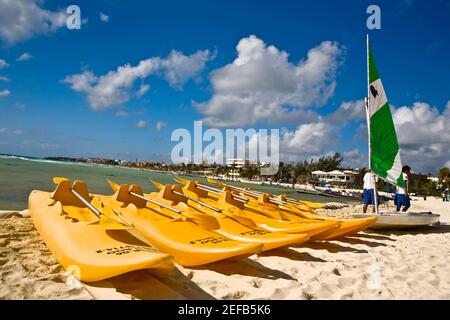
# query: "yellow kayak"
349, 226
165, 227
293, 212
92, 248
253, 217
225, 224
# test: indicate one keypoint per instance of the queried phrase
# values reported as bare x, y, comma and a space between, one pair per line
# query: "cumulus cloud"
3, 64
104, 17
141, 124
315, 137
348, 111
308, 139
23, 19
24, 57
354, 159
424, 135
5, 79
4, 93
160, 125
261, 85
117, 86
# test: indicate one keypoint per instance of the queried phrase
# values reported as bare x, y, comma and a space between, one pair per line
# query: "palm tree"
444, 177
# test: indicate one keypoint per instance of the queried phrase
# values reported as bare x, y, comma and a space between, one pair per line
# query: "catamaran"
384, 153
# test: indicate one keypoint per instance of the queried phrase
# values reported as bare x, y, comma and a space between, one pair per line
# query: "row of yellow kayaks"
100, 236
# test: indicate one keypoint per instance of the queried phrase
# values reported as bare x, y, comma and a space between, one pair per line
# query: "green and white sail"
384, 150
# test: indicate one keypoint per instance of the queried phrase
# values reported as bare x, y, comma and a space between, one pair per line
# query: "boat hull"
401, 220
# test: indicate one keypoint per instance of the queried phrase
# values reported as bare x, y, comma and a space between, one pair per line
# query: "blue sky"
46, 110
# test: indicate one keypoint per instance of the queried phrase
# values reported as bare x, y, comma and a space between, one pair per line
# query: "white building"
237, 163
335, 176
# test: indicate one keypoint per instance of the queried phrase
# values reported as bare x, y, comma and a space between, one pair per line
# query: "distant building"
335, 176
203, 172
237, 163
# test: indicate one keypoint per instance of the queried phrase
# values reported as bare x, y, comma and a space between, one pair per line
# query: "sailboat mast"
375, 194
367, 106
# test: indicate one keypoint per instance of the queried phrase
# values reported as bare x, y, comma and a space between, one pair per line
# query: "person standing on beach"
369, 190
402, 194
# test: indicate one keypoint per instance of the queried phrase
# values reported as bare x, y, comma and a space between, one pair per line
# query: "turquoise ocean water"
19, 176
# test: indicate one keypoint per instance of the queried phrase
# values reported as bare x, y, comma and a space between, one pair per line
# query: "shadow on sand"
355, 240
183, 285
292, 255
245, 267
371, 236
144, 285
331, 247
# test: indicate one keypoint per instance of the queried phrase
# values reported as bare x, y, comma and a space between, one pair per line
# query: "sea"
20, 175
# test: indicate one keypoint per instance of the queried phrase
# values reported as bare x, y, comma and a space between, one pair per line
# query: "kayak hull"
393, 220
175, 233
84, 248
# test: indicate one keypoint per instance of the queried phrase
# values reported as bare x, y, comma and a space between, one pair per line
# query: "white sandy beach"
409, 264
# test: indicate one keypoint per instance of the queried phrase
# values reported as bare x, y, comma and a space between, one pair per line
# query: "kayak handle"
156, 202
215, 191
90, 206
197, 201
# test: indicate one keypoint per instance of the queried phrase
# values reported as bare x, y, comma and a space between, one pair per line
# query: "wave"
42, 160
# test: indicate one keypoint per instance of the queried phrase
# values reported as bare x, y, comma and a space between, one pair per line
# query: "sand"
408, 264
27, 269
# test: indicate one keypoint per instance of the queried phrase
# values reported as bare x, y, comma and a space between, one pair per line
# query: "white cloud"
104, 17
116, 87
160, 125
315, 137
3, 64
141, 124
23, 19
5, 79
178, 68
24, 57
17, 132
424, 135
142, 90
5, 93
261, 85
348, 111
354, 158
308, 139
